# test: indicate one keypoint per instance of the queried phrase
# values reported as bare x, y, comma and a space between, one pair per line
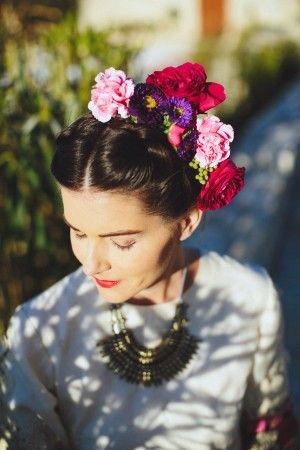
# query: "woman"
150, 344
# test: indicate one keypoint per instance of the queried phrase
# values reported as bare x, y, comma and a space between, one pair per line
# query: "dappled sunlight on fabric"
93, 385
48, 336
233, 351
47, 300
209, 427
12, 404
102, 440
286, 161
86, 322
74, 388
106, 409
82, 362
182, 419
148, 420
73, 311
86, 402
84, 288
54, 320
172, 385
269, 384
29, 331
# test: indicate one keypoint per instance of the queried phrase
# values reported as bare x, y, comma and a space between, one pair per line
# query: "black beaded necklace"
137, 364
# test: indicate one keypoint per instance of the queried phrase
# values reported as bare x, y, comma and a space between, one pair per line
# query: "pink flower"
175, 135
110, 95
213, 141
261, 426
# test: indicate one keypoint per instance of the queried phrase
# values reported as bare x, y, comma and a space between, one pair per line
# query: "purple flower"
147, 104
180, 111
187, 148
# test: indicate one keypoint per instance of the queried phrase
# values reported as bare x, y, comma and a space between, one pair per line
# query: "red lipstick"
106, 283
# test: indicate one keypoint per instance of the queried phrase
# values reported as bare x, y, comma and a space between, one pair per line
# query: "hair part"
125, 157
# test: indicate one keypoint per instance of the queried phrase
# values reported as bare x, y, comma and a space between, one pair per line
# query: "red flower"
189, 81
222, 185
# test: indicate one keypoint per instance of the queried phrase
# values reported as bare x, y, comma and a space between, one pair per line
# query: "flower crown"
175, 100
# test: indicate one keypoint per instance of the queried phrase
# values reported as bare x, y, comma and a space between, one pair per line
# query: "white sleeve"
268, 385
28, 401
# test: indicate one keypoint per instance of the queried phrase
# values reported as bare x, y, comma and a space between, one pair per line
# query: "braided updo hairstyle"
127, 158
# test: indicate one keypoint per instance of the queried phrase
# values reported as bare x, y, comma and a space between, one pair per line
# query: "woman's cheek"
129, 260
143, 257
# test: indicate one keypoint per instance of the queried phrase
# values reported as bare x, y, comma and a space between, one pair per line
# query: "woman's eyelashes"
124, 247
79, 236
121, 247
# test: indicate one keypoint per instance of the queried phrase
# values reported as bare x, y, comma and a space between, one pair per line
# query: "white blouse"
59, 387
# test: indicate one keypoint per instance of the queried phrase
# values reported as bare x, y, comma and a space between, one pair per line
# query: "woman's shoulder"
48, 315
59, 298
61, 291
230, 265
239, 280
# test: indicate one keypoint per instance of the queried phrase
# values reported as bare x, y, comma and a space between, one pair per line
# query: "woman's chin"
111, 297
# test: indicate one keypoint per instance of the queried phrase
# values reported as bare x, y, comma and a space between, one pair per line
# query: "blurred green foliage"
264, 70
261, 65
45, 84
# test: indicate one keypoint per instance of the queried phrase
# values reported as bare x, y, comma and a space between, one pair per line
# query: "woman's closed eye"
121, 247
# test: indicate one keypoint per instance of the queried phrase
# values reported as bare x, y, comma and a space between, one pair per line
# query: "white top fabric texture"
59, 387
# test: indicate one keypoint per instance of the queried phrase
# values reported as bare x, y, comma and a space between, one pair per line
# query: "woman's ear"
189, 223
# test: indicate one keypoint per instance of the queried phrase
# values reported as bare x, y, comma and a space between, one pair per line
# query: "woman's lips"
106, 283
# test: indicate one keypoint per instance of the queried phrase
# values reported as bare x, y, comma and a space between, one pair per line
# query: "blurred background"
50, 52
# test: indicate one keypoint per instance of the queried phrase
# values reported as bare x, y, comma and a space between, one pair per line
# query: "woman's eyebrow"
115, 233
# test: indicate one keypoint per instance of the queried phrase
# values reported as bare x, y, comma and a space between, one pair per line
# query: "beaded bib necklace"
137, 364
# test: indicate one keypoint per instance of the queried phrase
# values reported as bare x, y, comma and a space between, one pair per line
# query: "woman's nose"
95, 261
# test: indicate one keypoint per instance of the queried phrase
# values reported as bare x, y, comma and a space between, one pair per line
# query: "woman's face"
115, 240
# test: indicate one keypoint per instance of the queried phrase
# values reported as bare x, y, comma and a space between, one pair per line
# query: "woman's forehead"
92, 194
105, 208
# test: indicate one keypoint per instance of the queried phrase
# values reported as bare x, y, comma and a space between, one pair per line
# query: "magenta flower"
213, 142
175, 134
188, 81
223, 184
110, 95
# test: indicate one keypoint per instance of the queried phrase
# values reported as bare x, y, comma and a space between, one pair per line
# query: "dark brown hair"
128, 158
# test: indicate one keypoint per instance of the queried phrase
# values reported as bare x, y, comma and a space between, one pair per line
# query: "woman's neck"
170, 286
